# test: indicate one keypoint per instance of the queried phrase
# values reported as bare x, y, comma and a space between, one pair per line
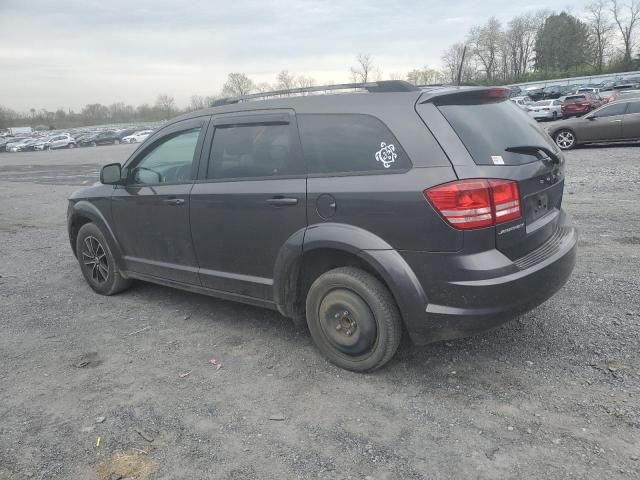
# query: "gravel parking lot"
92, 386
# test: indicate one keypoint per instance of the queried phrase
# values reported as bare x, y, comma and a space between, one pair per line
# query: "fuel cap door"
326, 206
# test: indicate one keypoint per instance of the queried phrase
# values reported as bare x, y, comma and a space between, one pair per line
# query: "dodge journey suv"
362, 214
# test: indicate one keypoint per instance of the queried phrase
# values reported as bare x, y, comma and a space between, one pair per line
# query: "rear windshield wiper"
535, 150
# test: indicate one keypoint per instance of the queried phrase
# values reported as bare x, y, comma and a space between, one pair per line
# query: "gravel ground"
91, 386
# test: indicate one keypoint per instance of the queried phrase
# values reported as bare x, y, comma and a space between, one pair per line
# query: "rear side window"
611, 110
487, 130
634, 107
349, 144
246, 151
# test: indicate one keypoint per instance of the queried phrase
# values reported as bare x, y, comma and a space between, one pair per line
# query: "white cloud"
70, 52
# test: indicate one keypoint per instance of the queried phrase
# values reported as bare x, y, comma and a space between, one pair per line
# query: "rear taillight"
477, 203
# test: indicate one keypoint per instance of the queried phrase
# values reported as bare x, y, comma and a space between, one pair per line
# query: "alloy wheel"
565, 139
94, 259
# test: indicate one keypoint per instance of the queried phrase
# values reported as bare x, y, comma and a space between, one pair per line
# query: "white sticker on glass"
387, 154
497, 159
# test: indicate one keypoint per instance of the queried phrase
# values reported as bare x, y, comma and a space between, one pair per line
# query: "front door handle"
282, 201
174, 201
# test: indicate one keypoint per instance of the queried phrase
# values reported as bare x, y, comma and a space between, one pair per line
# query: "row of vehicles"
553, 92
93, 138
575, 104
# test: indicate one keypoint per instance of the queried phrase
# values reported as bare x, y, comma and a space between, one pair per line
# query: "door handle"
282, 201
173, 201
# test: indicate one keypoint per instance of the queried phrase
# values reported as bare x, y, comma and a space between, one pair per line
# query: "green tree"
562, 44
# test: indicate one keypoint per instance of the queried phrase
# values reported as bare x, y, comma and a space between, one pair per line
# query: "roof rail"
384, 86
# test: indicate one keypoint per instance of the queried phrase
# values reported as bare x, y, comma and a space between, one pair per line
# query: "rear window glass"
488, 129
575, 98
349, 143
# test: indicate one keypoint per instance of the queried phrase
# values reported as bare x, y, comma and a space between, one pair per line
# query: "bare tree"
285, 81
305, 82
601, 28
484, 41
237, 84
363, 71
166, 105
452, 58
424, 76
519, 43
627, 26
197, 102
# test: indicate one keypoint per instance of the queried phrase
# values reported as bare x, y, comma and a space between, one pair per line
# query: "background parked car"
576, 105
21, 145
546, 109
110, 137
63, 140
523, 102
614, 122
137, 136
555, 91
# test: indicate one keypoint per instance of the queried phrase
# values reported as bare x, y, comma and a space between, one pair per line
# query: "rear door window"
349, 144
487, 130
250, 151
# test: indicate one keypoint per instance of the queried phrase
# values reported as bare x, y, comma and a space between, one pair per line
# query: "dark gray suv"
437, 211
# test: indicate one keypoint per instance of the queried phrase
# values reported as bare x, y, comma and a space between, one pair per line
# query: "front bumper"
492, 296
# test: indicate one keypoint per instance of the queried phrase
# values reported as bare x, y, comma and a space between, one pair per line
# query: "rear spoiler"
465, 95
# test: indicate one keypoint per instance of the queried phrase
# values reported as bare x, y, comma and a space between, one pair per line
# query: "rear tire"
554, 116
565, 139
97, 262
353, 319
116, 142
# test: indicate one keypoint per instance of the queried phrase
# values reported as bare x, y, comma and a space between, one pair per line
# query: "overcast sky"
67, 53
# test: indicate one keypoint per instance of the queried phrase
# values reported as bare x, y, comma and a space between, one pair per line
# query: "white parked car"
546, 110
523, 102
137, 137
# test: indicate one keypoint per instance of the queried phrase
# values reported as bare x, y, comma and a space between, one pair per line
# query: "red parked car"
579, 104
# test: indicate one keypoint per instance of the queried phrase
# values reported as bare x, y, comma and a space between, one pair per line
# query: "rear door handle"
174, 201
282, 201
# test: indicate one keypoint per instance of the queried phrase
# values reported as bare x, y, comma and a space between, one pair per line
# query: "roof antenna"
459, 79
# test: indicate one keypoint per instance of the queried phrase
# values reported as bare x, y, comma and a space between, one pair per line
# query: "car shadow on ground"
504, 343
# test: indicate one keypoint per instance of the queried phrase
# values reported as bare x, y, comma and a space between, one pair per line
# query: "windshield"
489, 129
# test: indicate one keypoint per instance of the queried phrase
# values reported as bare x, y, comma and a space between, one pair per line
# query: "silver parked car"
546, 109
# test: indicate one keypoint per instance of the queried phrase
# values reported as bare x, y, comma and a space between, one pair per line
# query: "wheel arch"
84, 212
313, 251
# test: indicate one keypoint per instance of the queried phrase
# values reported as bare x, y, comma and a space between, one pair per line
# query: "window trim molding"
165, 134
279, 117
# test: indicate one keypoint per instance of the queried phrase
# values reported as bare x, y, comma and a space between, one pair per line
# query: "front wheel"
353, 319
71, 145
97, 262
565, 139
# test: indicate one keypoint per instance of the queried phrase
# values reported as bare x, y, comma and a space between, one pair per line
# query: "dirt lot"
555, 394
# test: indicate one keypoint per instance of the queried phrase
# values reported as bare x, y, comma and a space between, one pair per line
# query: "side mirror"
111, 174
590, 117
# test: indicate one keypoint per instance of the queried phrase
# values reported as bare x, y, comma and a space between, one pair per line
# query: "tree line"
534, 46
543, 45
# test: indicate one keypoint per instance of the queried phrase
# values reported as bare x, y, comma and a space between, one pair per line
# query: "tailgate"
506, 143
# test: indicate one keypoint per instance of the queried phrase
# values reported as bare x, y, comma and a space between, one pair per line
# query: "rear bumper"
459, 307
576, 111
